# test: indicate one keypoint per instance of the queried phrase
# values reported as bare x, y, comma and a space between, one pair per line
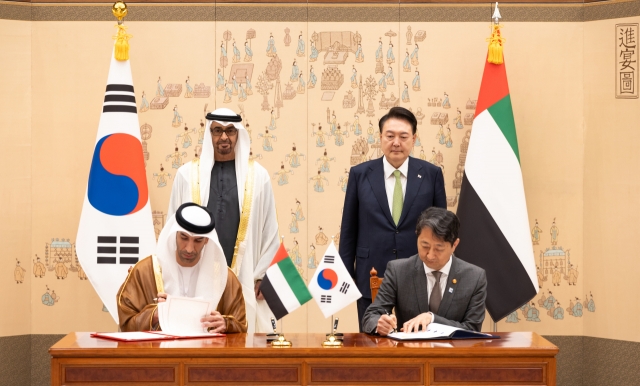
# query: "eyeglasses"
230, 132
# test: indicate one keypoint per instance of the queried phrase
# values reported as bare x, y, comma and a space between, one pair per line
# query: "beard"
184, 256
221, 150
188, 258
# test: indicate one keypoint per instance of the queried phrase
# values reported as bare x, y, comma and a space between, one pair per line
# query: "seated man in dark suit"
460, 288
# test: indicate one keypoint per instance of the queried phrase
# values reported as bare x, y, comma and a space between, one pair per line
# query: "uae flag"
494, 231
282, 286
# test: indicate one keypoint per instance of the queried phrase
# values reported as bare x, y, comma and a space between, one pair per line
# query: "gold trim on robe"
157, 273
127, 280
245, 215
244, 220
195, 181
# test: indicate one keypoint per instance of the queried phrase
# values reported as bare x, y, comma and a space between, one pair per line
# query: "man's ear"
455, 244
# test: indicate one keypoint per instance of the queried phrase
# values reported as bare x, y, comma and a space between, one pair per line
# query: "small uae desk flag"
331, 286
282, 286
116, 228
494, 230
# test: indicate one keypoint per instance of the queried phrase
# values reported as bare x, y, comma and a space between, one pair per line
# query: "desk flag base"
334, 339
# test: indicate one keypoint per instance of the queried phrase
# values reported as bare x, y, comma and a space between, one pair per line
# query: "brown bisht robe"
136, 305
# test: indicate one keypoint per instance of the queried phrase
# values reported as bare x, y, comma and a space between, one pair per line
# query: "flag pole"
281, 341
274, 335
495, 324
333, 326
332, 339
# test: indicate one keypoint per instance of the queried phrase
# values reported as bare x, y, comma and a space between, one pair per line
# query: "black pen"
395, 329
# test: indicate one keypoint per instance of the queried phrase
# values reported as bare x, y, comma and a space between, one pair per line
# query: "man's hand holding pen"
387, 324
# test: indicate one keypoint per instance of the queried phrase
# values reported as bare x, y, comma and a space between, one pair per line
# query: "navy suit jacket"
368, 236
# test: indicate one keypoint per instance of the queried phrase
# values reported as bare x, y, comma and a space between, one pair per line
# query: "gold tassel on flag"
495, 46
496, 41
119, 10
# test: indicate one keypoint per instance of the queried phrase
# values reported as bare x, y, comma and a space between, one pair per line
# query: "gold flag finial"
120, 10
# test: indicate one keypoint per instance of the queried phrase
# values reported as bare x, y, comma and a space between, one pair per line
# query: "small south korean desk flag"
116, 226
331, 286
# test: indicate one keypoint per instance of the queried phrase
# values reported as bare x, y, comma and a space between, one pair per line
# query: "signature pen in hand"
395, 329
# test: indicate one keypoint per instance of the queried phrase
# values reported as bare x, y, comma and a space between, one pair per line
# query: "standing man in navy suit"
384, 198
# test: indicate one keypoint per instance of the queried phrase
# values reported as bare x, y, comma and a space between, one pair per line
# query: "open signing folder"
441, 331
179, 318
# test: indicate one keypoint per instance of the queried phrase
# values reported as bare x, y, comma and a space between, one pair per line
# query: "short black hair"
402, 114
443, 223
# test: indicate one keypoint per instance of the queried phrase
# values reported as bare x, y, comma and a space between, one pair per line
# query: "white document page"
162, 315
434, 330
181, 316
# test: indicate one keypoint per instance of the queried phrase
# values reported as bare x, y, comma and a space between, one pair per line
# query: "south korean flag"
116, 226
331, 286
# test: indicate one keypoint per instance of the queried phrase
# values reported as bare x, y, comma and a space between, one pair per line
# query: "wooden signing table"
518, 358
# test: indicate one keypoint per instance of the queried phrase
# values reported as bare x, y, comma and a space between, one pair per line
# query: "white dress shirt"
431, 280
390, 179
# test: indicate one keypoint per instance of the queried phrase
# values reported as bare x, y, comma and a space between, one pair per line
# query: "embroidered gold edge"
127, 281
157, 273
151, 328
246, 213
195, 181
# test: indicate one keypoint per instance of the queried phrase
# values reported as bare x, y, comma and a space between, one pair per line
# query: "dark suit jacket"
405, 288
368, 235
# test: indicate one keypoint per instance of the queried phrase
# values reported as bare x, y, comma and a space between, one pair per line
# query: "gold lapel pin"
454, 281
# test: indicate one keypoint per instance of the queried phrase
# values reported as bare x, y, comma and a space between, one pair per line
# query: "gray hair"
443, 223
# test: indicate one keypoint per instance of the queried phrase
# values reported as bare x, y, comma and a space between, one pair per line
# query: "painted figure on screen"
39, 269
312, 263
293, 225
283, 175
18, 273
267, 140
318, 182
162, 177
554, 233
